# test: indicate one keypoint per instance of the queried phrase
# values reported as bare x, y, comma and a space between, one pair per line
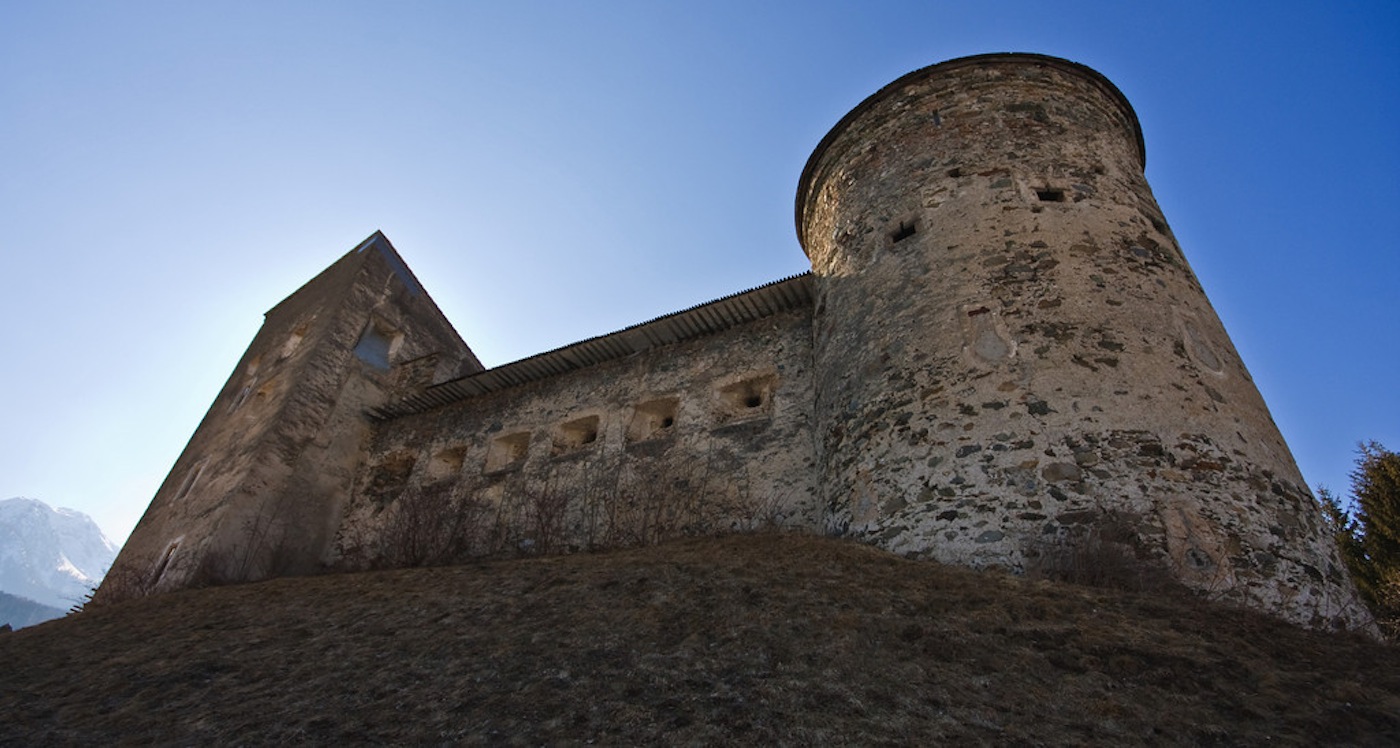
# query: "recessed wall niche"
293, 341
265, 391
745, 399
446, 463
507, 452
653, 419
575, 435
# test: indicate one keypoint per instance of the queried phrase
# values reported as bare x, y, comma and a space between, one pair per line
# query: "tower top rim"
804, 182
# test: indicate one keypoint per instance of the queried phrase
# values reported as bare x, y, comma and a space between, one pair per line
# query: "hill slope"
770, 639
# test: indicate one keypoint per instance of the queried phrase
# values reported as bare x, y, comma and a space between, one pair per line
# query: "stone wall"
258, 490
706, 436
1013, 357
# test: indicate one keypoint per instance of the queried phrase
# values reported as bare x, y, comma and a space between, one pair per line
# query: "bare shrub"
545, 531
656, 501
1103, 555
125, 582
589, 523
615, 503
217, 567
433, 526
761, 511
262, 548
416, 531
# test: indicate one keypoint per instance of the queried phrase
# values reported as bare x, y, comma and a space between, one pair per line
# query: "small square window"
903, 231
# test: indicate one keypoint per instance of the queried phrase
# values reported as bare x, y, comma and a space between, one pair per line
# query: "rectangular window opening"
1050, 195
905, 230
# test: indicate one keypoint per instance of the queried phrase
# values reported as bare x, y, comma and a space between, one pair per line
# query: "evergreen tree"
1369, 536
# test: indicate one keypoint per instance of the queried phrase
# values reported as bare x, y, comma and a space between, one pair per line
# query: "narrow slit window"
161, 566
191, 480
242, 395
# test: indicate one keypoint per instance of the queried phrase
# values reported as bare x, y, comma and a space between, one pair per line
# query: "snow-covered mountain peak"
51, 556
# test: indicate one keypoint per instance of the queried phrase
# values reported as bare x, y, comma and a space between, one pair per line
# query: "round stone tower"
1015, 364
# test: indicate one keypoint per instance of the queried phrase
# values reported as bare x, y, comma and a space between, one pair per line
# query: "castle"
999, 358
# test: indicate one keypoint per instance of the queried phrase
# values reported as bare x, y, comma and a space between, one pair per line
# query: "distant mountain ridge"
49, 556
19, 612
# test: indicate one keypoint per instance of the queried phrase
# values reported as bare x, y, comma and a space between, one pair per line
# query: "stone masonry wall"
711, 435
1014, 360
257, 491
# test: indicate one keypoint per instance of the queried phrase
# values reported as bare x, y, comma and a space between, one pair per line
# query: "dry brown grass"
759, 639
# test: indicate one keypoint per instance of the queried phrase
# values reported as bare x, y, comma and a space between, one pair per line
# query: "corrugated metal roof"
703, 319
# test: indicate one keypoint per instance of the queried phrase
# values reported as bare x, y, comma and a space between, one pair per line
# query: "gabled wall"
259, 489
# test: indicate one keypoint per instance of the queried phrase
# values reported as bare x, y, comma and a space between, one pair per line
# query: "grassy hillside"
759, 639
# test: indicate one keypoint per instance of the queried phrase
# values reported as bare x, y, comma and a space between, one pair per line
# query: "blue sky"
553, 171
